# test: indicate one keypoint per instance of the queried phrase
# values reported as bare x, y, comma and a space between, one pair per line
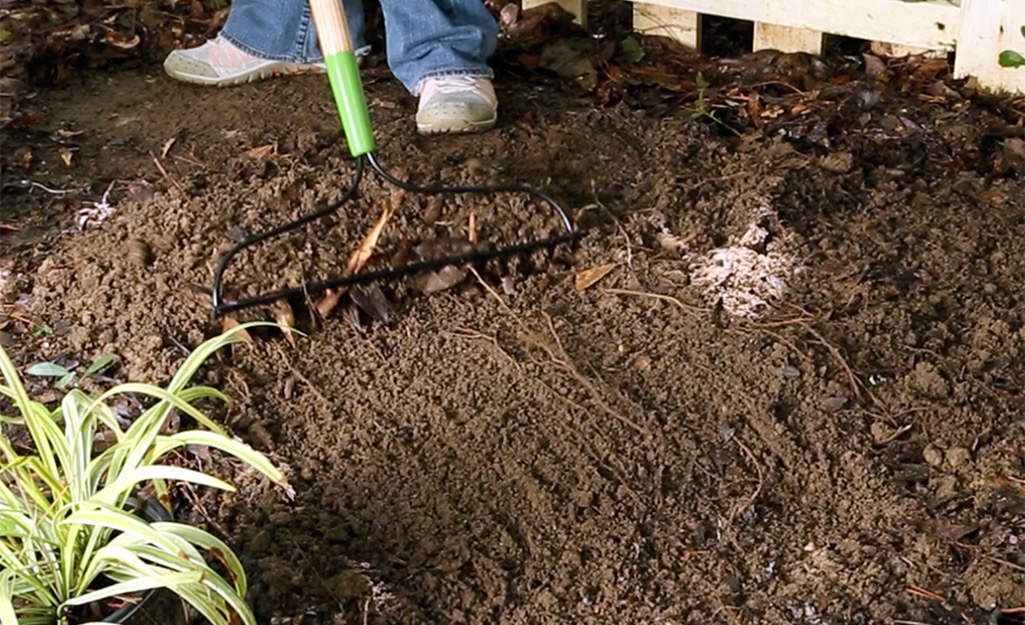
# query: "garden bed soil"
794, 397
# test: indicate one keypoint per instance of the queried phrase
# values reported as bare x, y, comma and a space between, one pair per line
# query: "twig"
302, 378
168, 178
761, 480
918, 591
693, 310
468, 333
1007, 563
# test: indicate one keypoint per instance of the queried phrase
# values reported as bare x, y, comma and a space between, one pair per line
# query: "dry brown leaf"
328, 302
264, 151
362, 255
432, 212
398, 193
444, 278
167, 147
230, 323
283, 314
588, 277
66, 156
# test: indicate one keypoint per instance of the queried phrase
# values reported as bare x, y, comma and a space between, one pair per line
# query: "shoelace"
225, 55
453, 84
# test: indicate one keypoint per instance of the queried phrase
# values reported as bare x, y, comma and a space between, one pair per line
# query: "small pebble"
833, 404
791, 373
473, 165
880, 432
957, 456
642, 363
932, 455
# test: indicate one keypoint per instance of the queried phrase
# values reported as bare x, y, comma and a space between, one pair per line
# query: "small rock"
642, 363
791, 373
473, 165
944, 487
932, 455
832, 404
957, 457
927, 380
881, 432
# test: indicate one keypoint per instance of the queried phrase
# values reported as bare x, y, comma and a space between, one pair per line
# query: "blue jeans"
425, 38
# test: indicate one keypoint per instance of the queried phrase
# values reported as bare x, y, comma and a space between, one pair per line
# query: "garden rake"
343, 74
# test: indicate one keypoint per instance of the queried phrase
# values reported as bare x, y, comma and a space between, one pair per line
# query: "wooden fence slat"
924, 23
988, 27
787, 39
683, 26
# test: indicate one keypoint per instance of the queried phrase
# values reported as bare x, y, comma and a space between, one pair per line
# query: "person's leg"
282, 30
261, 38
439, 49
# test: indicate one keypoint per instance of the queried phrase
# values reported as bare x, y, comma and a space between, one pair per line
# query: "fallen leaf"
444, 278
167, 147
283, 314
66, 156
588, 277
230, 323
362, 255
371, 300
398, 193
328, 302
264, 151
432, 212
508, 16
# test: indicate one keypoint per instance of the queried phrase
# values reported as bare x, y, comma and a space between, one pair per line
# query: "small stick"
471, 229
918, 591
302, 378
693, 310
168, 177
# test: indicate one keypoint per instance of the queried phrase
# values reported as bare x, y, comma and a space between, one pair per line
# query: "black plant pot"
159, 606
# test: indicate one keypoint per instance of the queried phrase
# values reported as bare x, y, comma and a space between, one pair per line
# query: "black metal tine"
567, 223
481, 254
222, 265
386, 275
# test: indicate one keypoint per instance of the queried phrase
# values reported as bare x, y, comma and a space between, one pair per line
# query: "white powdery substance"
744, 280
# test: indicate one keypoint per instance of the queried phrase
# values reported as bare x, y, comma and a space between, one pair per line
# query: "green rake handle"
343, 74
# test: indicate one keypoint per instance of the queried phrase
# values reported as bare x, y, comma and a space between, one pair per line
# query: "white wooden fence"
976, 30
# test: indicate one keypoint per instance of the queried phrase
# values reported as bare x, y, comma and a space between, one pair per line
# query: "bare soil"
794, 398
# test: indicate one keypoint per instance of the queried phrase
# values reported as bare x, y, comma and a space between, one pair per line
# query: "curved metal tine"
385, 275
216, 296
567, 223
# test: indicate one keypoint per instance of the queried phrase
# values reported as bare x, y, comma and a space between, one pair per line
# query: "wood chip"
589, 277
471, 229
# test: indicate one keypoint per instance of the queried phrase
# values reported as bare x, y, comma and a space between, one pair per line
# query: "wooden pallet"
975, 30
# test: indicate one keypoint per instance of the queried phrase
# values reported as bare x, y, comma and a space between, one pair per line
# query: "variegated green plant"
66, 536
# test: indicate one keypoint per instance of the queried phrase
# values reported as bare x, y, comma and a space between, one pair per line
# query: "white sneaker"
221, 63
456, 104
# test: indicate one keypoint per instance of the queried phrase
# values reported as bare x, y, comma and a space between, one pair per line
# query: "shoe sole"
455, 127
262, 73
